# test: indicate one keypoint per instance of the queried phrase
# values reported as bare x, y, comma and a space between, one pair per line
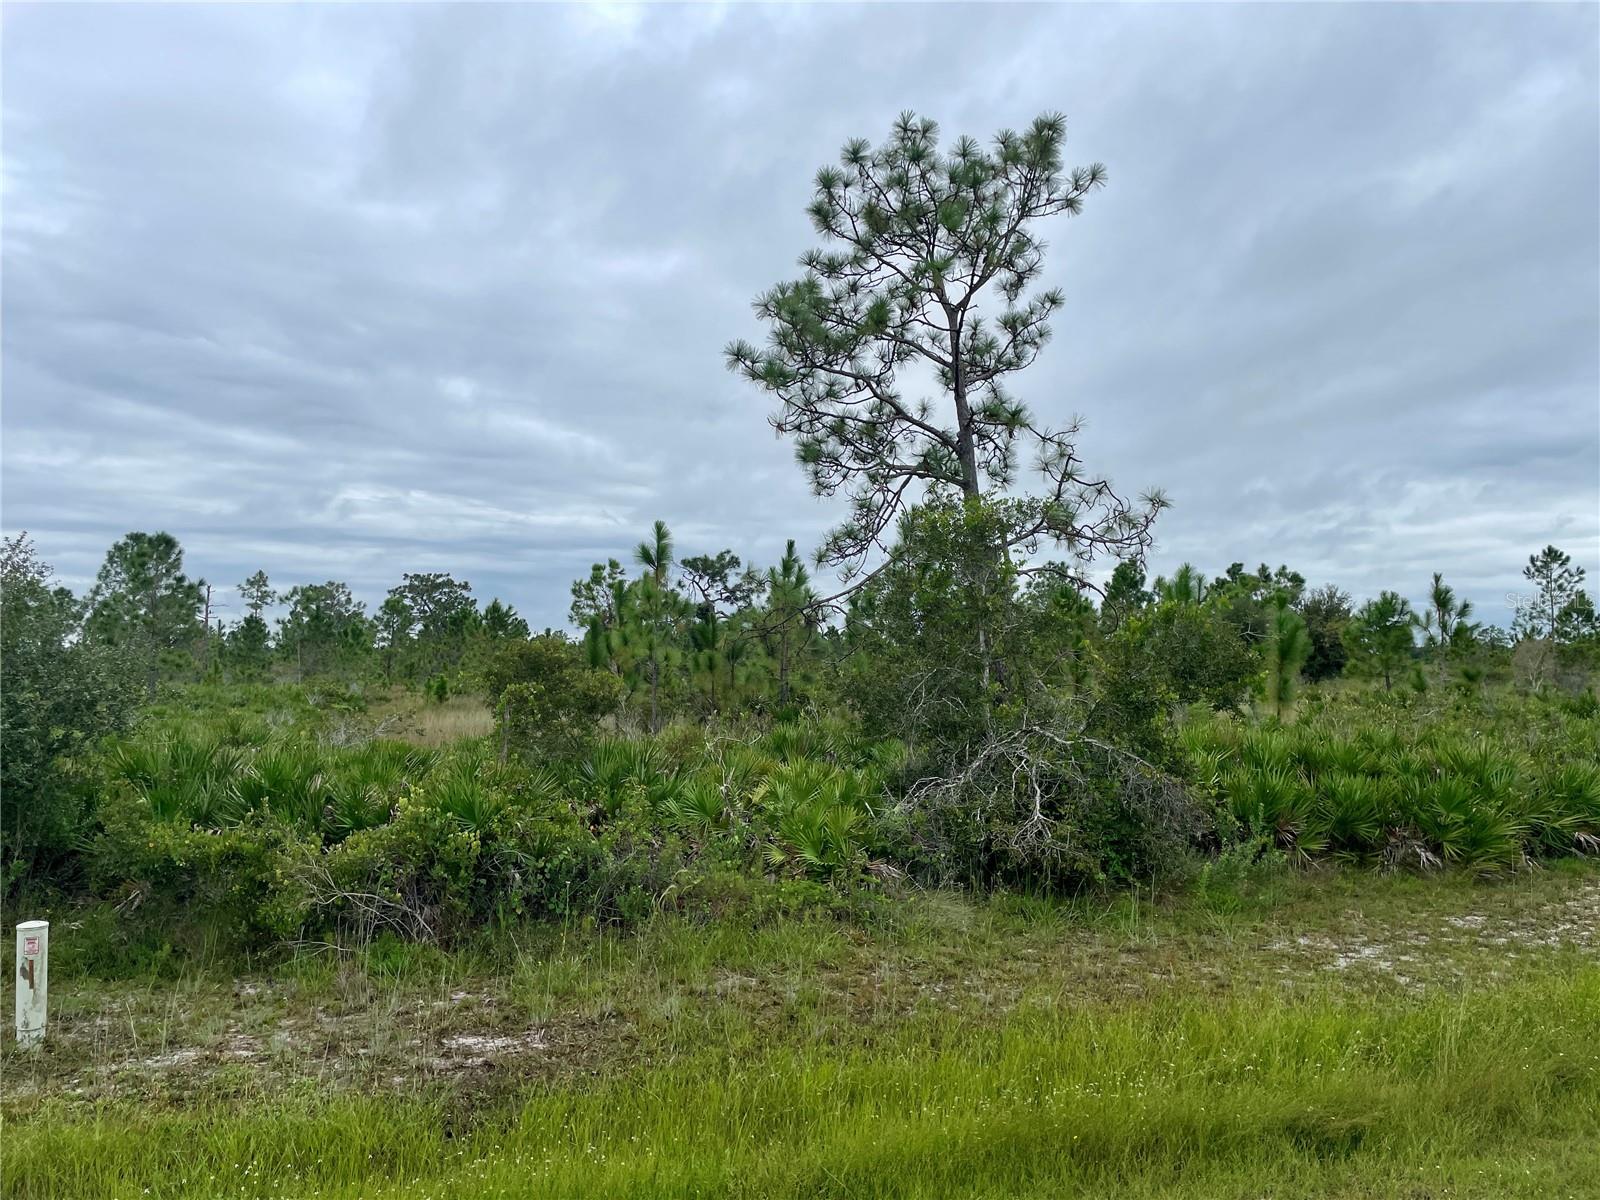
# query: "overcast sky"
347, 292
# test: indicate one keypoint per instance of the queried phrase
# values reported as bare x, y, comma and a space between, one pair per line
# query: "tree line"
705, 635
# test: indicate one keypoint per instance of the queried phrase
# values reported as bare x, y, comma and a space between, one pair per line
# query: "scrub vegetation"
954, 858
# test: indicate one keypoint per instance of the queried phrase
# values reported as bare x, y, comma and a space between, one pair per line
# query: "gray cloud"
347, 291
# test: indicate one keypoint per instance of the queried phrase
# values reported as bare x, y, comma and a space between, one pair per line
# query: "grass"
413, 719
1485, 1093
1328, 1034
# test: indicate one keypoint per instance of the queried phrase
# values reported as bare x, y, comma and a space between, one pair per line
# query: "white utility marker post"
32, 980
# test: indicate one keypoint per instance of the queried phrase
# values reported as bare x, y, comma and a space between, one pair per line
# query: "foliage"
143, 601
1187, 586
1379, 638
1560, 609
237, 808
716, 641
975, 720
1170, 656
922, 242
257, 593
1288, 647
247, 648
1242, 874
1445, 621
326, 630
1044, 804
818, 815
658, 609
942, 635
1326, 611
547, 700
789, 623
268, 834
1406, 786
231, 879
62, 692
429, 618
392, 632
500, 622
1125, 595
593, 598
716, 581
1249, 600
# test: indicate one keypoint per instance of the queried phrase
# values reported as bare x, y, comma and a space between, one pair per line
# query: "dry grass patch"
426, 723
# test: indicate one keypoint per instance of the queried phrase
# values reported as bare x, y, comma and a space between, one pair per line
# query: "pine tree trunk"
971, 485
783, 670
966, 444
655, 675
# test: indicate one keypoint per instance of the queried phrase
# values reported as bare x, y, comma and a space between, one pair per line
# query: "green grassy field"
1323, 1034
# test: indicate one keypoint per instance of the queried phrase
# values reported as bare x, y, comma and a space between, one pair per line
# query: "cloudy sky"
345, 292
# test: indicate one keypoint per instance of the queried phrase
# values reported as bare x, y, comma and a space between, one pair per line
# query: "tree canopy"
926, 283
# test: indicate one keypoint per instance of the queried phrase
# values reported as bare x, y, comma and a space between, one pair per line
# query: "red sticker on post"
30, 945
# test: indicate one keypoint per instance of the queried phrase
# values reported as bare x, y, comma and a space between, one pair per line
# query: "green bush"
1393, 782
415, 875
237, 881
1038, 813
1245, 873
63, 692
547, 700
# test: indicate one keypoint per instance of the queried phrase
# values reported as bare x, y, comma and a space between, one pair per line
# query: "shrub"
1396, 782
1171, 656
62, 693
1460, 824
232, 826
1273, 802
1041, 810
1355, 811
1244, 873
546, 699
236, 881
1564, 812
